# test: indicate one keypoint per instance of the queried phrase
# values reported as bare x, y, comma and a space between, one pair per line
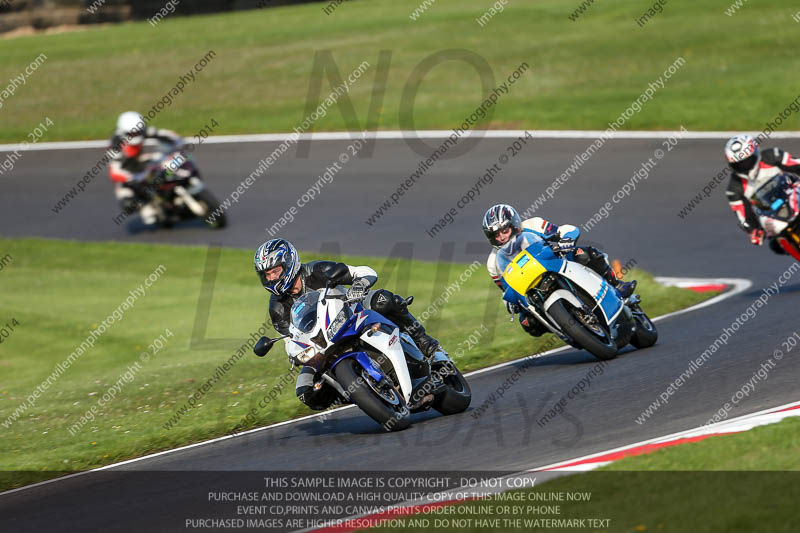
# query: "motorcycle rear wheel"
212, 206
456, 397
646, 333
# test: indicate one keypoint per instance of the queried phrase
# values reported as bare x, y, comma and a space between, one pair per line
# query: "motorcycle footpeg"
424, 392
432, 357
634, 299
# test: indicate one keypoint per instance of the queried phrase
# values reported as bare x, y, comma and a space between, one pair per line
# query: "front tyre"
213, 217
378, 399
456, 397
598, 343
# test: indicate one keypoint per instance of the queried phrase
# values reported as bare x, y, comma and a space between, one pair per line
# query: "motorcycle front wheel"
598, 343
379, 400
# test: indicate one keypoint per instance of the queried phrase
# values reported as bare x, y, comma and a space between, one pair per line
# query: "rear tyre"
456, 398
378, 400
212, 207
646, 333
601, 347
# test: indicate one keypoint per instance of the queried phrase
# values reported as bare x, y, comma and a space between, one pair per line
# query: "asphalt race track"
643, 226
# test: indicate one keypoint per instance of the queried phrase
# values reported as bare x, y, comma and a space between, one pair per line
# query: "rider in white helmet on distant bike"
502, 223
750, 168
129, 169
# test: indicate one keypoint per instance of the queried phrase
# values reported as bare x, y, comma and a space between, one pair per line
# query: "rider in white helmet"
128, 169
750, 168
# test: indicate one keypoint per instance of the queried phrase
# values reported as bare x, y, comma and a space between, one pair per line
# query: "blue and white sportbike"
570, 300
365, 357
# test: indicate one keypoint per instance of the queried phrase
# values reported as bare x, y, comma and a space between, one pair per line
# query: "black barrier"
485, 500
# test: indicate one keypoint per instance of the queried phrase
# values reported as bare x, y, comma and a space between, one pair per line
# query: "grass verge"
583, 73
58, 291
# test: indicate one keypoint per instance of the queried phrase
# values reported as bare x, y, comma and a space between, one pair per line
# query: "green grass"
583, 73
58, 291
735, 483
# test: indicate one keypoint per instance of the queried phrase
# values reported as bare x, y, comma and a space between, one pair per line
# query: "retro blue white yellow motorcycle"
368, 361
570, 300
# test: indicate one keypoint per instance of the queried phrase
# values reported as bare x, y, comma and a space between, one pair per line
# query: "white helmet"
743, 155
131, 129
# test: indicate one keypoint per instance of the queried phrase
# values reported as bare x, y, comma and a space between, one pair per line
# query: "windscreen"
513, 247
304, 312
768, 196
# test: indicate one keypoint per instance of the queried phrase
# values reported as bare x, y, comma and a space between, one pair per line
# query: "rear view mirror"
264, 345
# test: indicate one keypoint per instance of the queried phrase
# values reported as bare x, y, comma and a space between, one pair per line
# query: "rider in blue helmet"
278, 266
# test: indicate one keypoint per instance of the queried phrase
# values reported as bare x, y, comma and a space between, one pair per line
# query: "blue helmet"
274, 253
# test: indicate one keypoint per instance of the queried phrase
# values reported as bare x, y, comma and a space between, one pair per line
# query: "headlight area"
306, 355
337, 323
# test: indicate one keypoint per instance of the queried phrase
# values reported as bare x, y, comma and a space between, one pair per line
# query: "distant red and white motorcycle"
776, 201
176, 192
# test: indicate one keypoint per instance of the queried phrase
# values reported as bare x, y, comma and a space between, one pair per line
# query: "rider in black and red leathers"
129, 169
749, 166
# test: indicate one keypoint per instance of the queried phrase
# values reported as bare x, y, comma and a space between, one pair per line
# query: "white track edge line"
710, 429
421, 134
743, 285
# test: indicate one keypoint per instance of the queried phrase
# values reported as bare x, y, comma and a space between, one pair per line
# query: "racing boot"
426, 344
598, 261
395, 308
625, 288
